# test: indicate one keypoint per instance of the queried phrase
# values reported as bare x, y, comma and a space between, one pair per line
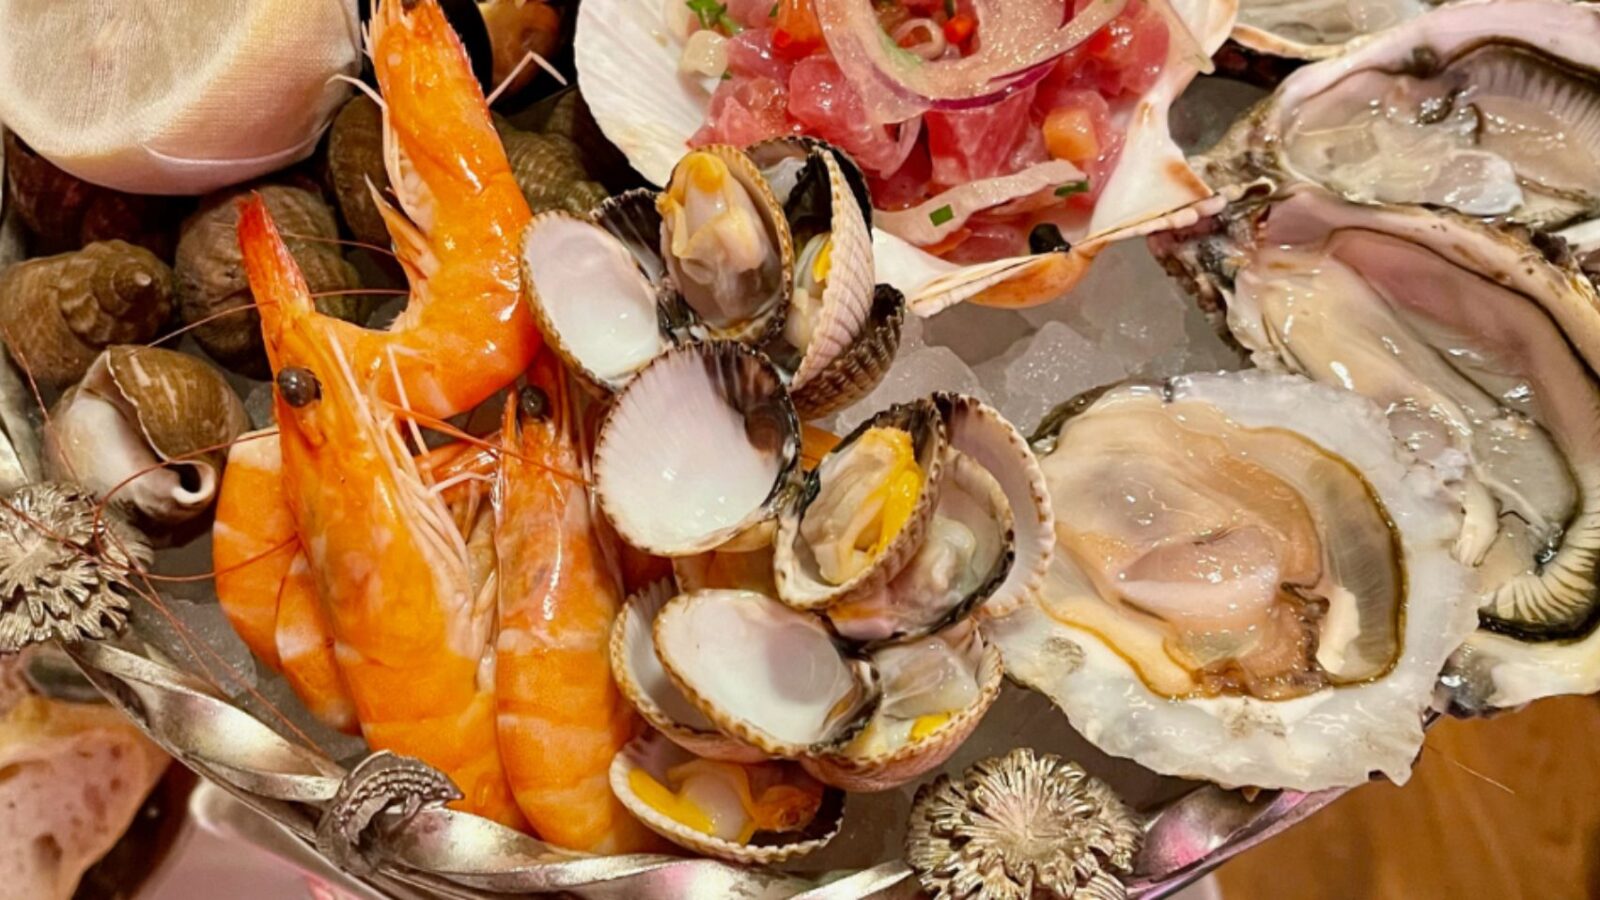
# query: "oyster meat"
1313, 29
1254, 586
1482, 353
1488, 108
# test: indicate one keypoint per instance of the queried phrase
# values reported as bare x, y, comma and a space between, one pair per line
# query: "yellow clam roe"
926, 725
868, 495
717, 799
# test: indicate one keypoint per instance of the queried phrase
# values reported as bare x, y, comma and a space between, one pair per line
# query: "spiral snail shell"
58, 312
213, 294
148, 429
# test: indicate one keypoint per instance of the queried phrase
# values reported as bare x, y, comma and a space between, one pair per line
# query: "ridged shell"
799, 585
854, 372
549, 169
592, 303
58, 312
773, 152
982, 433
65, 212
631, 81
632, 217
696, 449
768, 317
656, 756
139, 406
355, 157
968, 492
644, 682
697, 669
879, 772
211, 283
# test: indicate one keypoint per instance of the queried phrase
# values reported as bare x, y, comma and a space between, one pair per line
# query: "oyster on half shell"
1314, 29
1483, 354
1254, 586
1488, 108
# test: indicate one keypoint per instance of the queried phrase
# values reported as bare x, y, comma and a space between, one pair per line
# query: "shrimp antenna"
529, 57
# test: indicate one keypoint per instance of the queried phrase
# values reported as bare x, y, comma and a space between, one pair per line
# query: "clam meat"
1254, 587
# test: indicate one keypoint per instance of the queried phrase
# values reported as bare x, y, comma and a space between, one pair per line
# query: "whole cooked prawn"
465, 332
391, 569
561, 718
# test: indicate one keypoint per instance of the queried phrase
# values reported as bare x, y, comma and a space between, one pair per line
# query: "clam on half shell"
756, 813
1484, 354
1254, 586
650, 111
1489, 108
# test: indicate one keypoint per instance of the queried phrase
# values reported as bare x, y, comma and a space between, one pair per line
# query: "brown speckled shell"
185, 404
549, 169
64, 212
211, 279
58, 312
355, 156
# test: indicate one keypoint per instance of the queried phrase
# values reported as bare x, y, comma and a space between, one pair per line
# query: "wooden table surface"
1449, 832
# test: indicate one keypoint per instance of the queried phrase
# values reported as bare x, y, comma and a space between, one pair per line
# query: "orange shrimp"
561, 718
465, 332
253, 542
391, 568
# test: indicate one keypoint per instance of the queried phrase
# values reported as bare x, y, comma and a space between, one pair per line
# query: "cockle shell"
549, 169
630, 75
58, 312
214, 295
147, 429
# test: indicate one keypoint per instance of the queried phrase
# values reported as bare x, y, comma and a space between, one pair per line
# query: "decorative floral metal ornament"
66, 566
1021, 826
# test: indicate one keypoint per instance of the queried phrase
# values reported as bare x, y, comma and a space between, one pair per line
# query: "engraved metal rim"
459, 855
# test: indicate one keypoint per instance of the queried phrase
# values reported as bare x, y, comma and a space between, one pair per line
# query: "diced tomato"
1125, 57
822, 100
1069, 134
970, 144
743, 111
797, 33
750, 53
958, 29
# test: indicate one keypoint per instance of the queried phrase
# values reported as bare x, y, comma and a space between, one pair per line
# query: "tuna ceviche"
974, 125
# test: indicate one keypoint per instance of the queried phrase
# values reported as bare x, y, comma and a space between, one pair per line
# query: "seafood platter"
821, 448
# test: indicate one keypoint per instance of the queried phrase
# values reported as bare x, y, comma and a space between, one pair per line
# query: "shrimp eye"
533, 403
298, 386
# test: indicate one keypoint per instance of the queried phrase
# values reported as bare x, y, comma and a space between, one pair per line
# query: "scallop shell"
137, 407
644, 682
866, 772
656, 756
354, 158
647, 109
799, 584
58, 312
697, 448
982, 433
214, 295
767, 320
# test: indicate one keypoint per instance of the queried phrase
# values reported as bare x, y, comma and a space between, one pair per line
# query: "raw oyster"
650, 111
1314, 29
755, 813
1254, 586
697, 448
1488, 108
1483, 354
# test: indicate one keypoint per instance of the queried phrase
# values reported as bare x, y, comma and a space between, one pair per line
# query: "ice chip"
1057, 365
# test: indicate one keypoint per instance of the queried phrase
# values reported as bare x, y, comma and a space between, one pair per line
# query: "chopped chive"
1072, 187
773, 12
950, 8
727, 76
941, 215
713, 15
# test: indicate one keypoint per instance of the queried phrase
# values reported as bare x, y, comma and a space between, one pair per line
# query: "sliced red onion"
1019, 38
935, 219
